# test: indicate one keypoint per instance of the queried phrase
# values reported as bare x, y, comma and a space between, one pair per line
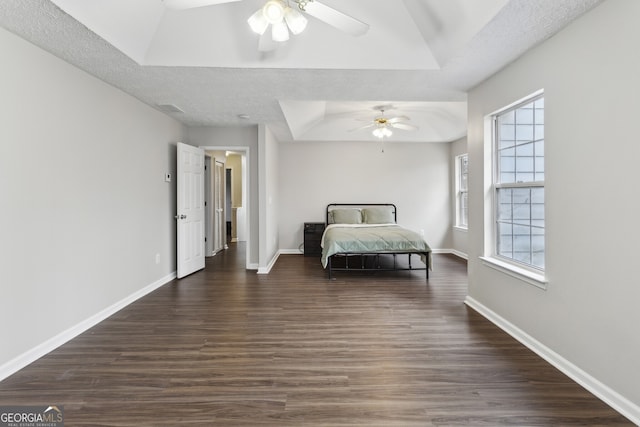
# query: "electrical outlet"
167, 177
157, 258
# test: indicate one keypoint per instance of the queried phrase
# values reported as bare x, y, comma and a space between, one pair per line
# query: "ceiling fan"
383, 125
284, 16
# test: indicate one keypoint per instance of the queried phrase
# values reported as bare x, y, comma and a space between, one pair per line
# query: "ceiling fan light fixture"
295, 20
382, 131
282, 19
273, 11
258, 22
280, 32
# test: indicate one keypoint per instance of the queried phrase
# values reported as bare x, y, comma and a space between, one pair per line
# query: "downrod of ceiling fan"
302, 4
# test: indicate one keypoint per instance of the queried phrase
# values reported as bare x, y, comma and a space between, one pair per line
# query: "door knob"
180, 216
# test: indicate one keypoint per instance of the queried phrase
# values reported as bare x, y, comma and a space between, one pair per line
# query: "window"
462, 213
519, 184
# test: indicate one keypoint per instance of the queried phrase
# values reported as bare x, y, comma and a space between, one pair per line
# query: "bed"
366, 237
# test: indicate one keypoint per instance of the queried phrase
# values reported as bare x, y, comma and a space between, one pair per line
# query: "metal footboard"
374, 263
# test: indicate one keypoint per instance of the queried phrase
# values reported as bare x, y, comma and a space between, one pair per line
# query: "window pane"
507, 118
524, 133
520, 160
508, 132
464, 210
505, 212
524, 164
520, 215
507, 177
525, 149
462, 184
537, 195
507, 164
537, 260
524, 115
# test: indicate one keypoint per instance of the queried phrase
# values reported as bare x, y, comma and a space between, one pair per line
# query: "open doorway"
230, 214
228, 197
214, 196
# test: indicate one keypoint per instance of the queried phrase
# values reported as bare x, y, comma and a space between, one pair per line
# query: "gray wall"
459, 236
416, 177
85, 208
588, 315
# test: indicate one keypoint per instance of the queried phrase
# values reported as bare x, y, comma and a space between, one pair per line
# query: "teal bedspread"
371, 238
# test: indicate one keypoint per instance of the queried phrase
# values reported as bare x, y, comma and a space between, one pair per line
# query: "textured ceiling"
419, 57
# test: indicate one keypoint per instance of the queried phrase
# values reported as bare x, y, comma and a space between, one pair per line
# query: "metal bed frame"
374, 256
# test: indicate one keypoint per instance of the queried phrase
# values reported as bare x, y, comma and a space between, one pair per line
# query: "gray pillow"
346, 216
378, 215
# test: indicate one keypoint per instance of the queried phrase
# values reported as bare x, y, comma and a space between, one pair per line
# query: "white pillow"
379, 215
346, 216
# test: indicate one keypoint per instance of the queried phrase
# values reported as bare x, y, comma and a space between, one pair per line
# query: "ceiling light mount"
383, 126
282, 18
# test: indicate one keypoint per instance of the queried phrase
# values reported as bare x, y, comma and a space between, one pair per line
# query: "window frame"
461, 221
526, 272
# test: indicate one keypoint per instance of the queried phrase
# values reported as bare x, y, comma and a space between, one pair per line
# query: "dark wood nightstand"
312, 238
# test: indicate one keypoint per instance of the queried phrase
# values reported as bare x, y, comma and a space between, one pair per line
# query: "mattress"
371, 239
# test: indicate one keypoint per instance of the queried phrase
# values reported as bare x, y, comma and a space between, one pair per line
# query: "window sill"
530, 277
458, 228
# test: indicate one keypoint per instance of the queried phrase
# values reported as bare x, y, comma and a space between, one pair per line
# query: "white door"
190, 212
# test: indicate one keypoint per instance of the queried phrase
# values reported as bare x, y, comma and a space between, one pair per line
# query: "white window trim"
525, 273
519, 272
458, 223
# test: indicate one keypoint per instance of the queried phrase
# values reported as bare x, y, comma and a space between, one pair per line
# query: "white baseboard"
459, 254
51, 344
267, 269
291, 252
618, 402
450, 251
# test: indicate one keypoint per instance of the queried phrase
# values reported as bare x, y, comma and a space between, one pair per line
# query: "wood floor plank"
228, 347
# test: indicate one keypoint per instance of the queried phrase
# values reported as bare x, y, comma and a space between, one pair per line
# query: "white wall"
238, 137
269, 199
85, 208
414, 176
459, 238
589, 313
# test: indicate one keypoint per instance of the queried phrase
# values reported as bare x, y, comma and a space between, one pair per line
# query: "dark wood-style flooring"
228, 347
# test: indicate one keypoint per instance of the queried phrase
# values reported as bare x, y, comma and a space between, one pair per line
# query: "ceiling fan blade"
403, 126
398, 119
336, 19
191, 4
370, 125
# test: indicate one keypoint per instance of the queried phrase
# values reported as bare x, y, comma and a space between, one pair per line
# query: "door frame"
208, 223
246, 173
